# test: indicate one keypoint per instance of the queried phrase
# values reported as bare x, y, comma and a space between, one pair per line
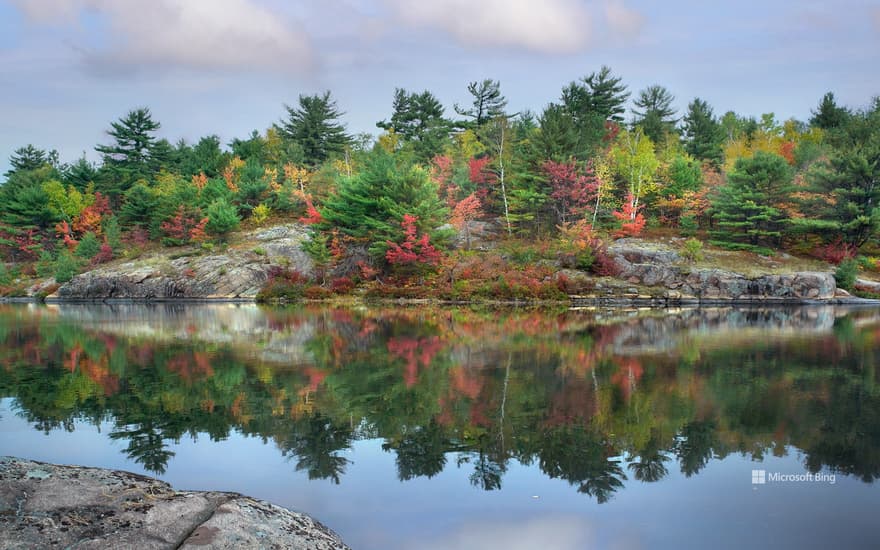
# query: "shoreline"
574, 301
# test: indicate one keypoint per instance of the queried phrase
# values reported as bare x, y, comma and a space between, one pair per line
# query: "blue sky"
70, 67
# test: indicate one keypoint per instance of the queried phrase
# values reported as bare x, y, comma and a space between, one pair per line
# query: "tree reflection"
585, 400
316, 442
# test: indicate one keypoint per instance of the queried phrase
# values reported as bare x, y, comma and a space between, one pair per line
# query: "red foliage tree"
632, 218
466, 211
786, 151
104, 255
573, 190
414, 250
441, 173
185, 227
64, 231
90, 217
312, 215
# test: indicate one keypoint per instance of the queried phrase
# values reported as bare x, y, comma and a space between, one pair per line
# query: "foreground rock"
48, 506
657, 265
239, 273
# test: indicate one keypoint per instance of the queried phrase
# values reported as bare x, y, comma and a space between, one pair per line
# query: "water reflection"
593, 398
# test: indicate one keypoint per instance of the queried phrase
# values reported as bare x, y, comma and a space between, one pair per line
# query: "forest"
557, 185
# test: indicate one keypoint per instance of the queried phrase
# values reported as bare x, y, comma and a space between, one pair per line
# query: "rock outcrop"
236, 274
658, 265
48, 506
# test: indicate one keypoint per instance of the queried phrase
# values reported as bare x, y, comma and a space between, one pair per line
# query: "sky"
227, 67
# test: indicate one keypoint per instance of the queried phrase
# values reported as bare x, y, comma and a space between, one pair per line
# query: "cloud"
550, 26
623, 20
560, 533
189, 34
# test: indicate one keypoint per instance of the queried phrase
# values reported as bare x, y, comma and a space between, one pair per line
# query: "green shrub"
692, 250
112, 233
846, 274
88, 246
45, 266
222, 217
66, 266
688, 224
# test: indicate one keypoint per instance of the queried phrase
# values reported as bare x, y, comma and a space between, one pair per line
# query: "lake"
432, 428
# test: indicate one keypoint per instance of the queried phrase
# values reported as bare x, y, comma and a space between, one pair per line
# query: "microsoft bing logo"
759, 477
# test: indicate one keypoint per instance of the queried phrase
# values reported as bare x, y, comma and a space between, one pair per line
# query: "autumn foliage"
185, 227
414, 250
633, 222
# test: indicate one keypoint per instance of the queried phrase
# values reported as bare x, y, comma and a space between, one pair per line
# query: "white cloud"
560, 533
199, 34
548, 26
622, 19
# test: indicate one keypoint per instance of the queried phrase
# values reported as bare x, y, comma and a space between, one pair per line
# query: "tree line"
581, 167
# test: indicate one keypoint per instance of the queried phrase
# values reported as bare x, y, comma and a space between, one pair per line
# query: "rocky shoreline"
51, 506
650, 274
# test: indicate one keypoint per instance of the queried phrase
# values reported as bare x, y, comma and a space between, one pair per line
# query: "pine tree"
598, 93
488, 102
654, 112
747, 210
29, 158
139, 207
315, 129
419, 122
369, 206
703, 134
24, 202
829, 115
132, 155
80, 174
846, 200
222, 217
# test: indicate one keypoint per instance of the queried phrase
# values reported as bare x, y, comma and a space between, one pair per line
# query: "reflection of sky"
718, 508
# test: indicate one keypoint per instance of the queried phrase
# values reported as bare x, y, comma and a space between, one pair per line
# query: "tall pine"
748, 211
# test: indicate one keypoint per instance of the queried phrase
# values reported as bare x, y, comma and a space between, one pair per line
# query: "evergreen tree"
24, 202
205, 157
419, 122
846, 203
132, 154
654, 112
222, 217
80, 174
747, 209
88, 246
254, 147
829, 115
488, 102
314, 127
370, 205
598, 93
29, 158
703, 134
139, 206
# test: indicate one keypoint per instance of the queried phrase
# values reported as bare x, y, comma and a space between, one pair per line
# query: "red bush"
341, 285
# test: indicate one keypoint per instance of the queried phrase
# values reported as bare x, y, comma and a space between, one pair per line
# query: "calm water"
452, 428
